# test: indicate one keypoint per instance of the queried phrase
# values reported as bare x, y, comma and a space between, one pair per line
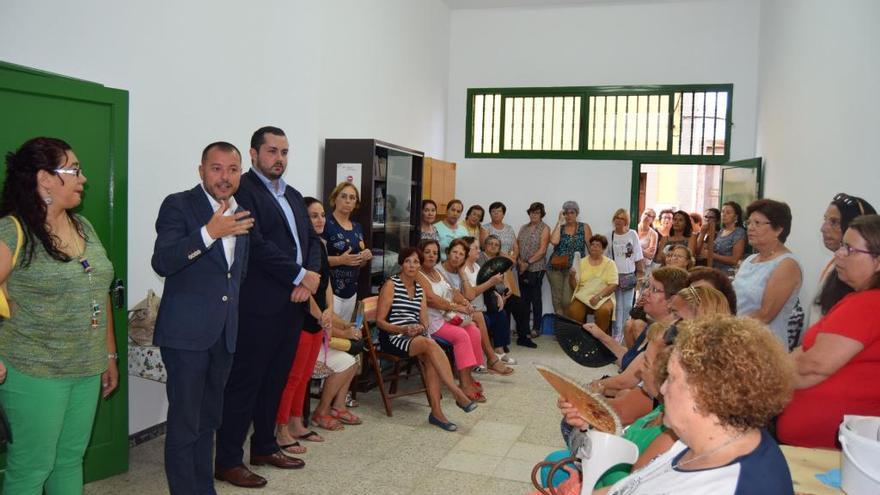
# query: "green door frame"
107, 454
637, 168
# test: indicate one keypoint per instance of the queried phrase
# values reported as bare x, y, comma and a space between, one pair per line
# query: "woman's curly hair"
736, 369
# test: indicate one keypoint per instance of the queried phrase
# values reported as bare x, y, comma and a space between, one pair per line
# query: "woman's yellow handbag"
4, 303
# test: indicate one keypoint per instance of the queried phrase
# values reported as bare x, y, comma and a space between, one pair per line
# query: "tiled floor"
493, 451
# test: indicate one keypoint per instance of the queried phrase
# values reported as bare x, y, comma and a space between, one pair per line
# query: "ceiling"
500, 4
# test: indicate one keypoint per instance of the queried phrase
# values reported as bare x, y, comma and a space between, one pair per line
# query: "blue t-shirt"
339, 240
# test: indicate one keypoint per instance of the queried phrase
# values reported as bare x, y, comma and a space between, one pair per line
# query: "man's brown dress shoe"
240, 476
278, 460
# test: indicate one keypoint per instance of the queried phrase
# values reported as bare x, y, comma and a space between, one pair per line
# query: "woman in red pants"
289, 419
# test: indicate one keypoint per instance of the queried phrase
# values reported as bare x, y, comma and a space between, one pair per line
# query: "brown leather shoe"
240, 476
278, 460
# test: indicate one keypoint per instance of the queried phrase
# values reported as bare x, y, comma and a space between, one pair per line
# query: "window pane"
477, 145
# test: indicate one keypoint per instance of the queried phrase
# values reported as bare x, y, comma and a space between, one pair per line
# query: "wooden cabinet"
389, 179
439, 182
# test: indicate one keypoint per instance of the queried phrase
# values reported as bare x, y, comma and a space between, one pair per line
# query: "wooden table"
806, 463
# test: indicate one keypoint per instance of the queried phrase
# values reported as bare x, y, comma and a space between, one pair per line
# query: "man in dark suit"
197, 324
282, 274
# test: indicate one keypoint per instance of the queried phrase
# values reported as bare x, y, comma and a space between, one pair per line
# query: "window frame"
585, 92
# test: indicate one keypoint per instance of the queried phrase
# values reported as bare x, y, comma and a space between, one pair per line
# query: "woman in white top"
768, 282
626, 251
496, 322
648, 237
450, 316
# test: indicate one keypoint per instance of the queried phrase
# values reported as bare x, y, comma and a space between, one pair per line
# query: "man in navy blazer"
202, 251
282, 274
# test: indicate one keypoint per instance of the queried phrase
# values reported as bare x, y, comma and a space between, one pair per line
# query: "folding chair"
374, 354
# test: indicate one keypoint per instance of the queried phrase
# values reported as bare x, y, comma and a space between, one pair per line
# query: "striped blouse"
405, 310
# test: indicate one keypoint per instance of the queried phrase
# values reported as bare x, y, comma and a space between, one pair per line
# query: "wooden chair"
399, 365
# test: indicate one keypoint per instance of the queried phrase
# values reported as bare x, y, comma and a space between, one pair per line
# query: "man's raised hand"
221, 225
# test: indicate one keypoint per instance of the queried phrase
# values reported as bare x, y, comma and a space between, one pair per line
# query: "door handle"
117, 292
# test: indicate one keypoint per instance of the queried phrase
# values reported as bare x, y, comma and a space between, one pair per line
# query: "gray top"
750, 284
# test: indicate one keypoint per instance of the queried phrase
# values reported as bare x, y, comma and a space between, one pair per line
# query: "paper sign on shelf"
349, 172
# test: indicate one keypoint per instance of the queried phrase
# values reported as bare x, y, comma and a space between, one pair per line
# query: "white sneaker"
481, 369
506, 358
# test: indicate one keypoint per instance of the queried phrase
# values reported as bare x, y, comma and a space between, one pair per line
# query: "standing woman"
768, 282
648, 237
449, 228
842, 210
345, 248
626, 251
569, 236
680, 234
57, 345
730, 239
504, 232
472, 220
429, 216
533, 239
289, 418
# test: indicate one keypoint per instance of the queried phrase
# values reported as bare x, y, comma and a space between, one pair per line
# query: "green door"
94, 120
742, 181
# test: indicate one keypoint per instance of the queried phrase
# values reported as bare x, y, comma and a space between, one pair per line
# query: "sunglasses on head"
849, 201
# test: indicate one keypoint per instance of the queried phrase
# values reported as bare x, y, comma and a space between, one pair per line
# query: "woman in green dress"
57, 344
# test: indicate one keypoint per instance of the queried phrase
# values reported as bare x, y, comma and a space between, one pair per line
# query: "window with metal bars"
677, 123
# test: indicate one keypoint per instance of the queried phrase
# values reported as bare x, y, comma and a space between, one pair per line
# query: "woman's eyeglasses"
69, 171
849, 250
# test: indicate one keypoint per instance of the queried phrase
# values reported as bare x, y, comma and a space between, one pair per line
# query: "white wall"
818, 124
200, 71
632, 43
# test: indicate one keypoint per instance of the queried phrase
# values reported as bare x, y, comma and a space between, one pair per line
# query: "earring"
47, 199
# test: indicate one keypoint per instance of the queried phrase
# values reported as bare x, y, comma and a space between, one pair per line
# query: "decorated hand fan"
592, 406
580, 344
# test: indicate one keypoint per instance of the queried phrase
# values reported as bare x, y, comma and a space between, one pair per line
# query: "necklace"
707, 454
94, 307
642, 476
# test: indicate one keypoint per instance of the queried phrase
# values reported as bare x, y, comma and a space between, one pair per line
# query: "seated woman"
680, 257
840, 212
841, 352
718, 280
718, 413
663, 283
487, 300
680, 234
491, 249
593, 285
768, 282
443, 305
402, 317
648, 432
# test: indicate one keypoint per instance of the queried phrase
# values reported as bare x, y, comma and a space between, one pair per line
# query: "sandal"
502, 370
295, 449
345, 417
311, 436
477, 397
327, 422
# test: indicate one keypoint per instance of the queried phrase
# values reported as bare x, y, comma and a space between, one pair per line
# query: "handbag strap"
19, 239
